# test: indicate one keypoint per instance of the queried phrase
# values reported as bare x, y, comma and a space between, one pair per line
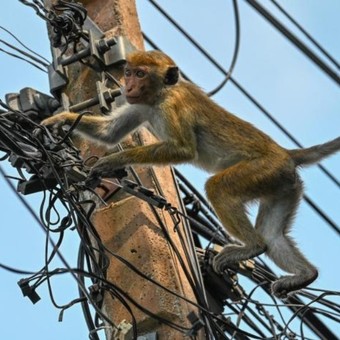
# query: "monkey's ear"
171, 76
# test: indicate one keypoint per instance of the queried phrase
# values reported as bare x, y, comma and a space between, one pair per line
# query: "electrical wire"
191, 39
307, 35
235, 54
24, 59
43, 60
295, 40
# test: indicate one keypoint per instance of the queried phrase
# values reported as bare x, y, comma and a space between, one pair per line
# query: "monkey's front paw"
278, 290
107, 167
56, 121
102, 168
220, 263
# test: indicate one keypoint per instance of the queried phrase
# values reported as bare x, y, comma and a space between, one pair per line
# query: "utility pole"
127, 226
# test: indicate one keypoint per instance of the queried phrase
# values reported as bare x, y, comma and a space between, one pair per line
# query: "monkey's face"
137, 84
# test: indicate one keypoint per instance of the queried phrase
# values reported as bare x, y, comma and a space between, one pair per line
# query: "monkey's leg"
274, 220
228, 194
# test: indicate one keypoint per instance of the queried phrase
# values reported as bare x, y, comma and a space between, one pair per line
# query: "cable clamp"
28, 291
144, 193
196, 322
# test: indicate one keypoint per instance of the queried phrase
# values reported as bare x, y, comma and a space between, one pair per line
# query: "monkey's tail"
315, 153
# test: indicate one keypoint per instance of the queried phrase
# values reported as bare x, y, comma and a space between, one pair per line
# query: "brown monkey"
247, 164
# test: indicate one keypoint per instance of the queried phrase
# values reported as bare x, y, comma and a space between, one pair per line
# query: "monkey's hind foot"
230, 256
285, 285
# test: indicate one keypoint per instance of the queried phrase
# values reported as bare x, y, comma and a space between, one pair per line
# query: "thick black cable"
322, 214
307, 35
295, 40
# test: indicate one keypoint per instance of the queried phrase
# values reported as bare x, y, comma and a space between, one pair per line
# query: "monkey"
245, 164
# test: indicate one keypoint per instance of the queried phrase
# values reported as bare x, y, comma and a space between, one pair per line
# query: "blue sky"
298, 94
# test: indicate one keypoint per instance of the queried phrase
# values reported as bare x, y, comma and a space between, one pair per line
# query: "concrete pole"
127, 226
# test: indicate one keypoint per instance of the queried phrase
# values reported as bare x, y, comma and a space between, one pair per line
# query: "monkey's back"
222, 139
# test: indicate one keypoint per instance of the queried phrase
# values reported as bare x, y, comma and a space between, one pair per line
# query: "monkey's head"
146, 74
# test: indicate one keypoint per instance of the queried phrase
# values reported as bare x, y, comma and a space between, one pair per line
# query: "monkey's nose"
128, 89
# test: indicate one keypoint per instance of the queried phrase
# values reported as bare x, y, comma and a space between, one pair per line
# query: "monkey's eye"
140, 74
127, 73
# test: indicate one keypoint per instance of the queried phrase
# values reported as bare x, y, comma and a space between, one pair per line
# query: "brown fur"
247, 164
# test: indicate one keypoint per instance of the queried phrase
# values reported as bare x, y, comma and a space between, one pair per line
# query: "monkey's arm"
105, 129
162, 153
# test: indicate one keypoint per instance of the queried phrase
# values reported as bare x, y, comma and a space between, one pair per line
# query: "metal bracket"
106, 51
36, 105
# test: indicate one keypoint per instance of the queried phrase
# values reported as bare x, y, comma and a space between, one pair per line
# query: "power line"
30, 57
307, 35
21, 58
25, 46
295, 40
236, 50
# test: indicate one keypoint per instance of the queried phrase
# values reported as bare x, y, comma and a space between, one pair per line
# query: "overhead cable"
295, 40
47, 62
307, 35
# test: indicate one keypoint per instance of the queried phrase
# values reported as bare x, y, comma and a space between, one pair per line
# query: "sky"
295, 91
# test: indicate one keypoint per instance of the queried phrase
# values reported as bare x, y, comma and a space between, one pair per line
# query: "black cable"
47, 62
28, 55
309, 36
322, 214
295, 40
236, 50
15, 270
21, 58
